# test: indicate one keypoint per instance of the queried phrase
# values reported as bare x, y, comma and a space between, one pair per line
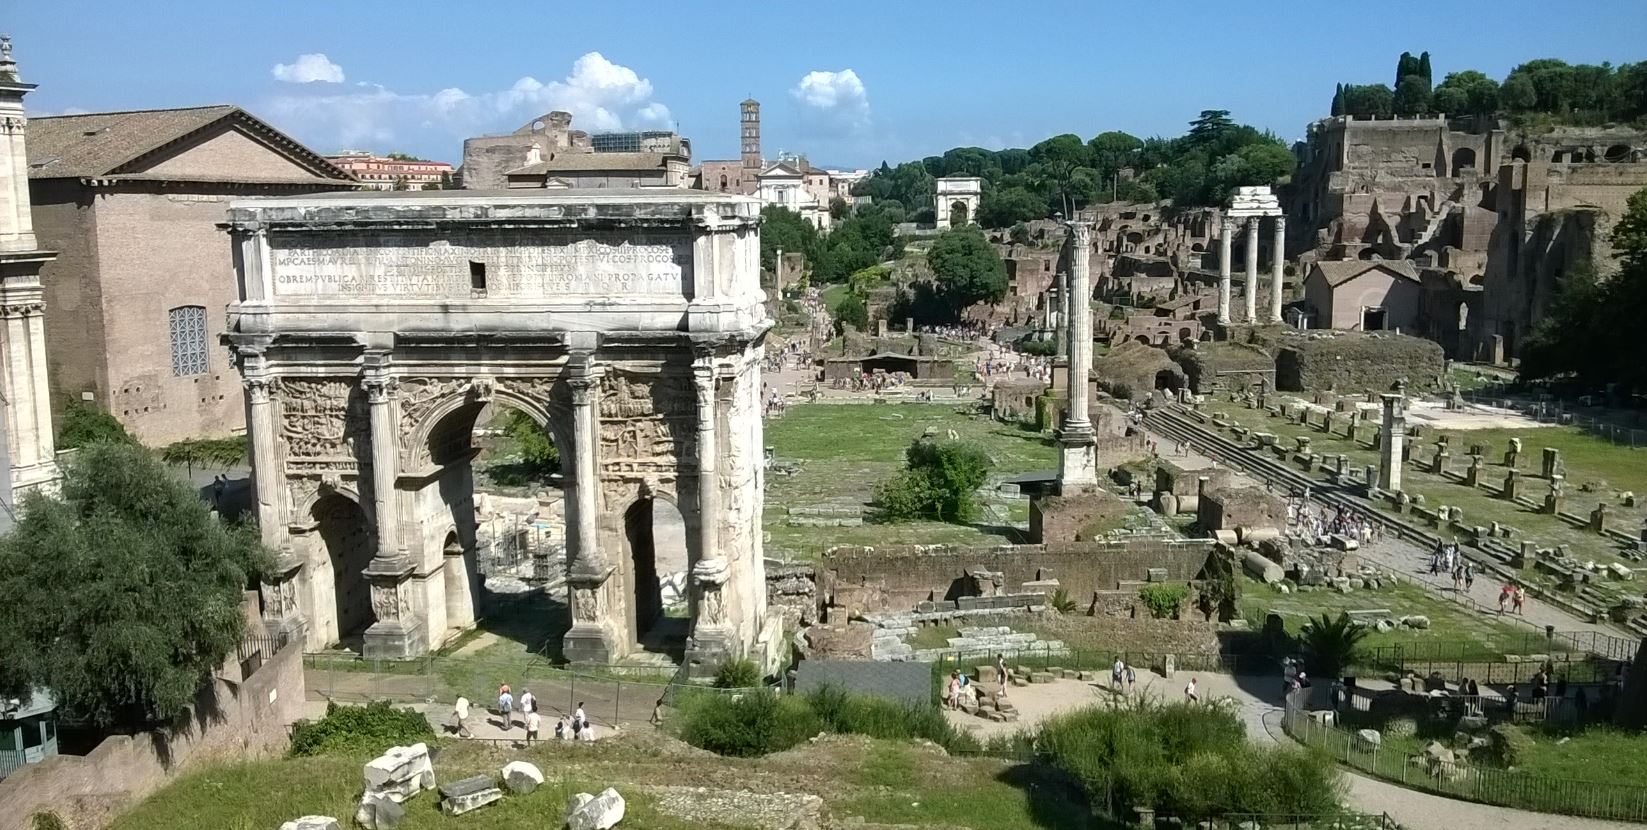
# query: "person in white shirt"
528, 703
1190, 693
578, 719
460, 713
533, 721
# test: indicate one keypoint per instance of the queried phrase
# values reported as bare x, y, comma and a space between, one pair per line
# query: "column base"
709, 647
1077, 459
588, 642
394, 641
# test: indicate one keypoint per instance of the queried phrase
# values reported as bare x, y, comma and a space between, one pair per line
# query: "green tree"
1518, 94
851, 311
838, 208
939, 482
1019, 235
966, 269
122, 592
206, 453
537, 449
1424, 70
1055, 162
1209, 128
84, 425
785, 230
1368, 100
1412, 96
1004, 206
1338, 100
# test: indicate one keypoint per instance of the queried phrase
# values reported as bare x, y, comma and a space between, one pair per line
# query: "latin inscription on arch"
497, 265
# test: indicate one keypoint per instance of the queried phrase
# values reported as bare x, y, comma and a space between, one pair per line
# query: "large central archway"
376, 331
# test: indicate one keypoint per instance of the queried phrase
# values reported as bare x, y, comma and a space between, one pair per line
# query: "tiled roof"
98, 144
1338, 272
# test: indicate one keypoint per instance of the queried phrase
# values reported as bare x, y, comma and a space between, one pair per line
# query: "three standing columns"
1250, 293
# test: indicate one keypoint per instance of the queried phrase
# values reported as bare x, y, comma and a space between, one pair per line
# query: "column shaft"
1226, 231
709, 490
1080, 323
1251, 298
22, 425
45, 439
379, 389
1278, 268
585, 486
260, 423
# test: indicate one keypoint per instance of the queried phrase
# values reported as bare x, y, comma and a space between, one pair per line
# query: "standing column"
591, 638
1251, 297
711, 635
1226, 230
1391, 441
398, 631
1277, 268
19, 385
1077, 457
1080, 324
260, 426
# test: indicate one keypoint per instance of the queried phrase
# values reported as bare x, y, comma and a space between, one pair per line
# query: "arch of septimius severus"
372, 330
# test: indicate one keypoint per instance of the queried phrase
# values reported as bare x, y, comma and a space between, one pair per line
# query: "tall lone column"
1251, 293
1226, 230
711, 636
1278, 268
397, 633
1077, 467
1390, 442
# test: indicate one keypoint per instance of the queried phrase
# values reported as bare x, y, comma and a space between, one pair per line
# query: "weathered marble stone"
311, 823
521, 777
595, 812
465, 795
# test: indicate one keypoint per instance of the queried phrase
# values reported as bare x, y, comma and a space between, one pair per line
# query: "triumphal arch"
372, 330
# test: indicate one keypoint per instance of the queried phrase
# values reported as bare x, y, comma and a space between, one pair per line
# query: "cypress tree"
1424, 70
1338, 100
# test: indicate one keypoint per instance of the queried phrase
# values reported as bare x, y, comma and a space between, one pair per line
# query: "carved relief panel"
322, 420
647, 431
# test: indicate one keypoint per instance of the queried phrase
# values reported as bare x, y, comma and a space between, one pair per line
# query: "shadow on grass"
1056, 800
534, 620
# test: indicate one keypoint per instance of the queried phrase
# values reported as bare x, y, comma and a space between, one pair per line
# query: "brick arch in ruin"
373, 330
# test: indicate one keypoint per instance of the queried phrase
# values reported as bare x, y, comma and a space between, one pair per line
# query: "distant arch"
1463, 157
1617, 153
1521, 153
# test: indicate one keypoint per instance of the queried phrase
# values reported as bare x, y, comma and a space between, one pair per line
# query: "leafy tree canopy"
966, 268
1573, 93
123, 592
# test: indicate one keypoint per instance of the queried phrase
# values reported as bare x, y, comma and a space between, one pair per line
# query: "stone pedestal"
398, 632
1472, 475
1438, 462
1391, 443
591, 638
278, 592
713, 641
1552, 465
1556, 498
1512, 485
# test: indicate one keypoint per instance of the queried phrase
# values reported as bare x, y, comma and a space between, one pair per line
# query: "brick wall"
912, 574
156, 252
65, 222
248, 719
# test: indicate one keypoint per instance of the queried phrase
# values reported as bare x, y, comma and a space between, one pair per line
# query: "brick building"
136, 297
387, 173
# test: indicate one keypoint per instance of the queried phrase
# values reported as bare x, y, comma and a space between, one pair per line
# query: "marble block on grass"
459, 797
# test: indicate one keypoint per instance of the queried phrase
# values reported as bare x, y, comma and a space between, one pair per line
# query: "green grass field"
847, 450
880, 781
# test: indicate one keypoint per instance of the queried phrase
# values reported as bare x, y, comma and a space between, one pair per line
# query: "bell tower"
750, 122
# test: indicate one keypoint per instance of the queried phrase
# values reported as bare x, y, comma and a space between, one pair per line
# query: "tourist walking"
1117, 674
1001, 674
560, 728
1503, 598
657, 713
1520, 600
1191, 694
952, 691
1469, 576
506, 705
533, 721
1132, 679
579, 721
460, 714
528, 703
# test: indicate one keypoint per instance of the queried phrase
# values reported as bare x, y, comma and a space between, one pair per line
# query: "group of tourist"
1315, 522
1512, 598
577, 726
872, 381
959, 331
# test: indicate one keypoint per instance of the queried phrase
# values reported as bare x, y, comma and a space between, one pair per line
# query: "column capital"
1280, 220
583, 388
258, 388
380, 388
1252, 222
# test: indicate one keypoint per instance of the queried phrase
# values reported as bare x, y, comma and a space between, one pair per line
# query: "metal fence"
1402, 763
1556, 413
608, 696
1455, 661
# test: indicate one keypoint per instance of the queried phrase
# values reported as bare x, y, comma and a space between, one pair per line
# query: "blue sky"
848, 83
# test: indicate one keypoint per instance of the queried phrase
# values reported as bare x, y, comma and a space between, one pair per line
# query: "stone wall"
1349, 362
912, 574
229, 722
792, 591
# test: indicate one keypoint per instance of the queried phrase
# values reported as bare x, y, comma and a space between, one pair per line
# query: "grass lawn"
881, 781
1587, 458
1453, 628
1596, 754
847, 450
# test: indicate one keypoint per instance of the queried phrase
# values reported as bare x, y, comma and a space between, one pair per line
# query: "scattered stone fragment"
521, 777
1369, 738
594, 812
311, 823
468, 794
378, 811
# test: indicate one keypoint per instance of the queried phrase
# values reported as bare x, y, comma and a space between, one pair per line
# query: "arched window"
723, 182
187, 326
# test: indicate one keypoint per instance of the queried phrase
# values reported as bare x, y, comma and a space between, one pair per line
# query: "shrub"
1039, 348
846, 713
1331, 643
373, 728
1062, 602
748, 725
939, 482
47, 821
84, 425
851, 311
1190, 761
1510, 745
1163, 601
738, 674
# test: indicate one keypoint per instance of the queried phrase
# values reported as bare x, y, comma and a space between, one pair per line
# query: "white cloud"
307, 68
840, 94
600, 95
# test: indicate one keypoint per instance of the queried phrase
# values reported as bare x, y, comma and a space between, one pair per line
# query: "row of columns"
1277, 264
